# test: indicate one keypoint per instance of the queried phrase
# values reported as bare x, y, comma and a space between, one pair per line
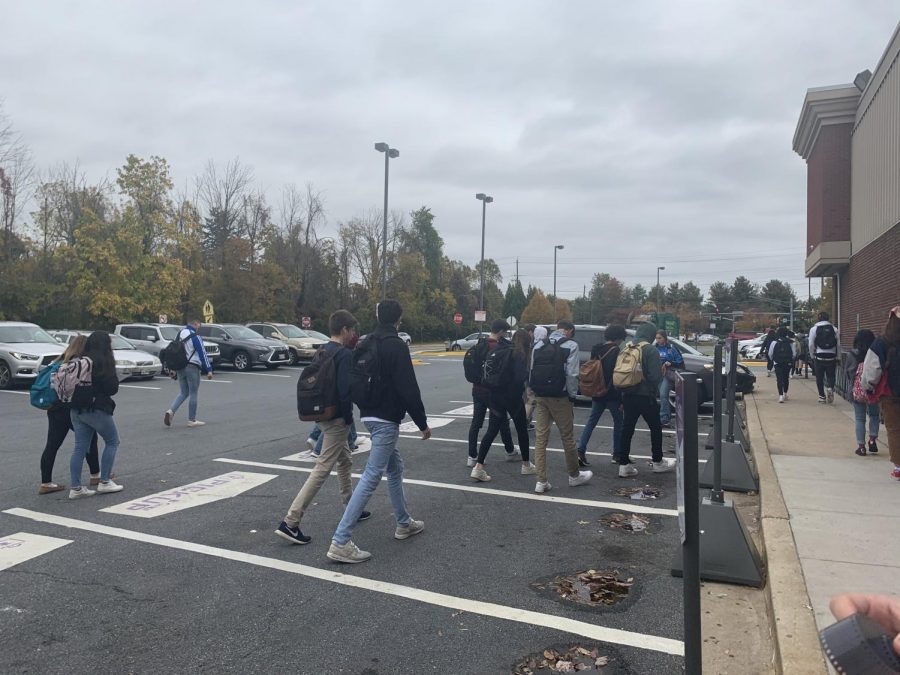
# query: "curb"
793, 625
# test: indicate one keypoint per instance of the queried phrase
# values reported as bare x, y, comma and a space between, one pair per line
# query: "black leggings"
783, 376
59, 425
480, 402
496, 424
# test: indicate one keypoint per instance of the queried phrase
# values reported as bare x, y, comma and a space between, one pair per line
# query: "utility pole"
517, 270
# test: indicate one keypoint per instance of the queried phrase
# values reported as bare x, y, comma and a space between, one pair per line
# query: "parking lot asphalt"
205, 586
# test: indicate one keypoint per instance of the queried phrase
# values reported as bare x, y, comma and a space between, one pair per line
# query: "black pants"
825, 375
481, 401
639, 405
59, 425
783, 376
497, 422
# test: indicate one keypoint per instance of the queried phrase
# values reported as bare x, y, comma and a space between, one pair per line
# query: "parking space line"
237, 372
633, 508
489, 609
137, 386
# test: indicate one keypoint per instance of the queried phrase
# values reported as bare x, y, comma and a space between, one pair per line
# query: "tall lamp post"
556, 248
485, 200
658, 269
389, 154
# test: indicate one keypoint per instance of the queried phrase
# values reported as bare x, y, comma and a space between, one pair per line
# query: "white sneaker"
542, 486
406, 531
663, 466
514, 456
80, 492
109, 486
305, 454
310, 444
582, 478
195, 423
829, 395
785, 396
348, 553
768, 373
627, 470
781, 399
167, 418
471, 461
528, 469
479, 475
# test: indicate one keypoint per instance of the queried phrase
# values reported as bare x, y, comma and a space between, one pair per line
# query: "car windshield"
169, 332
685, 348
292, 331
118, 342
25, 334
317, 335
241, 332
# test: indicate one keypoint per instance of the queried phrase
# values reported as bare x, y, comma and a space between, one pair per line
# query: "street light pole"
555, 249
389, 153
658, 269
485, 200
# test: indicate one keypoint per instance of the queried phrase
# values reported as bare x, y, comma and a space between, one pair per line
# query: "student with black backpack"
383, 385
473, 368
825, 350
505, 373
554, 380
186, 358
323, 394
783, 354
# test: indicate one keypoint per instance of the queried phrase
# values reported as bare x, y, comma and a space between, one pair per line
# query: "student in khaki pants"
335, 448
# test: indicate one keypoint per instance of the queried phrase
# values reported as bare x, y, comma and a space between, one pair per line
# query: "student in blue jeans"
612, 401
394, 393
671, 361
855, 358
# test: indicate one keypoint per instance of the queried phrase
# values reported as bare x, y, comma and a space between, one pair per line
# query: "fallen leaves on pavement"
575, 659
630, 522
592, 587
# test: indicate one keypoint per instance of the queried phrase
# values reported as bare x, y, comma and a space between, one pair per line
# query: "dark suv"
587, 336
245, 348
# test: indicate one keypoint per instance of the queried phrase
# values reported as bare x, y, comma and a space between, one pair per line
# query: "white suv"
153, 338
25, 348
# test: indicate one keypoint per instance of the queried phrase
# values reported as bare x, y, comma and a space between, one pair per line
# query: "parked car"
301, 345
744, 345
130, 361
25, 348
406, 338
707, 337
462, 344
154, 337
244, 348
695, 362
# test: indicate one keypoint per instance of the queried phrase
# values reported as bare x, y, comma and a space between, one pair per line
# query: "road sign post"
480, 316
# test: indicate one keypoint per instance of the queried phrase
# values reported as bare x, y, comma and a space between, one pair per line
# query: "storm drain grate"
628, 522
591, 588
573, 659
639, 493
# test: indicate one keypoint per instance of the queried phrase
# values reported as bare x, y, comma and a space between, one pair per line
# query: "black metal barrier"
727, 553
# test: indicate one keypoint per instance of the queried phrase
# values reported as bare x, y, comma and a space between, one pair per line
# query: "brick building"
849, 135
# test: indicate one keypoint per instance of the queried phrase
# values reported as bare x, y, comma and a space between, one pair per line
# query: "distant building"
849, 135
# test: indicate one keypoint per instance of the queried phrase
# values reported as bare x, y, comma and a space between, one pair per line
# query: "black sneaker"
861, 451
295, 536
582, 461
365, 515
873, 447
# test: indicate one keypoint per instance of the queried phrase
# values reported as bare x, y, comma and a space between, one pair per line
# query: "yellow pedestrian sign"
208, 314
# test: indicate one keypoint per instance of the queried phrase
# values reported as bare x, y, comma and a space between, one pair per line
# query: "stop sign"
457, 318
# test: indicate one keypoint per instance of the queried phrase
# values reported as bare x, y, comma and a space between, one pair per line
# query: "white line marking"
433, 423
216, 381
481, 490
464, 411
559, 623
137, 386
21, 393
21, 546
195, 494
237, 372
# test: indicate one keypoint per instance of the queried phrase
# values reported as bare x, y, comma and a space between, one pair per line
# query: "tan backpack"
629, 372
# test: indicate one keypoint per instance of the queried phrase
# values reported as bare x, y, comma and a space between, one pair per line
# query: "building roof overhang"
823, 106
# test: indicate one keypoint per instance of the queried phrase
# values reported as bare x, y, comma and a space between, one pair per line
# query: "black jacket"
512, 395
105, 387
342, 364
400, 389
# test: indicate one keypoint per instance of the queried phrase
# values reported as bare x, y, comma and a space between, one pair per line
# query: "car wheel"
455, 348
6, 378
241, 361
295, 358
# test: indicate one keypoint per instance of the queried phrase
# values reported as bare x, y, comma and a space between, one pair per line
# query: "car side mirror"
152, 338
227, 336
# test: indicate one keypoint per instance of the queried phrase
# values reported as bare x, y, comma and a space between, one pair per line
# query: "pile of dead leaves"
592, 587
574, 659
630, 522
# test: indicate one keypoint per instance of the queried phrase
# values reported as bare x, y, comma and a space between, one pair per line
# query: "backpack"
173, 356
367, 384
473, 361
860, 395
629, 370
592, 379
317, 395
497, 367
43, 395
73, 382
826, 338
548, 369
783, 353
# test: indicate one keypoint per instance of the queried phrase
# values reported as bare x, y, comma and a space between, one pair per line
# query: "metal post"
731, 385
792, 313
483, 215
690, 549
657, 294
717, 495
554, 273
387, 160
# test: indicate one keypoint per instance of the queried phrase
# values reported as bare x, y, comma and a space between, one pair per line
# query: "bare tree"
64, 197
221, 191
362, 238
16, 181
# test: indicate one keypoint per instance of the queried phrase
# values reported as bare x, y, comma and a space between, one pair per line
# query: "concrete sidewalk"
841, 511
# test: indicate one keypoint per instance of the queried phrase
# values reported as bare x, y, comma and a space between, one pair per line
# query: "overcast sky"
635, 134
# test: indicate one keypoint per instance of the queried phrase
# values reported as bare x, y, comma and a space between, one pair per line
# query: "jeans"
85, 423
317, 435
665, 411
783, 377
640, 405
189, 381
59, 423
597, 407
336, 454
481, 401
824, 375
860, 410
383, 457
496, 422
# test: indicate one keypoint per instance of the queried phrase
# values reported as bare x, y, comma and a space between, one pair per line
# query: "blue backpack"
43, 395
